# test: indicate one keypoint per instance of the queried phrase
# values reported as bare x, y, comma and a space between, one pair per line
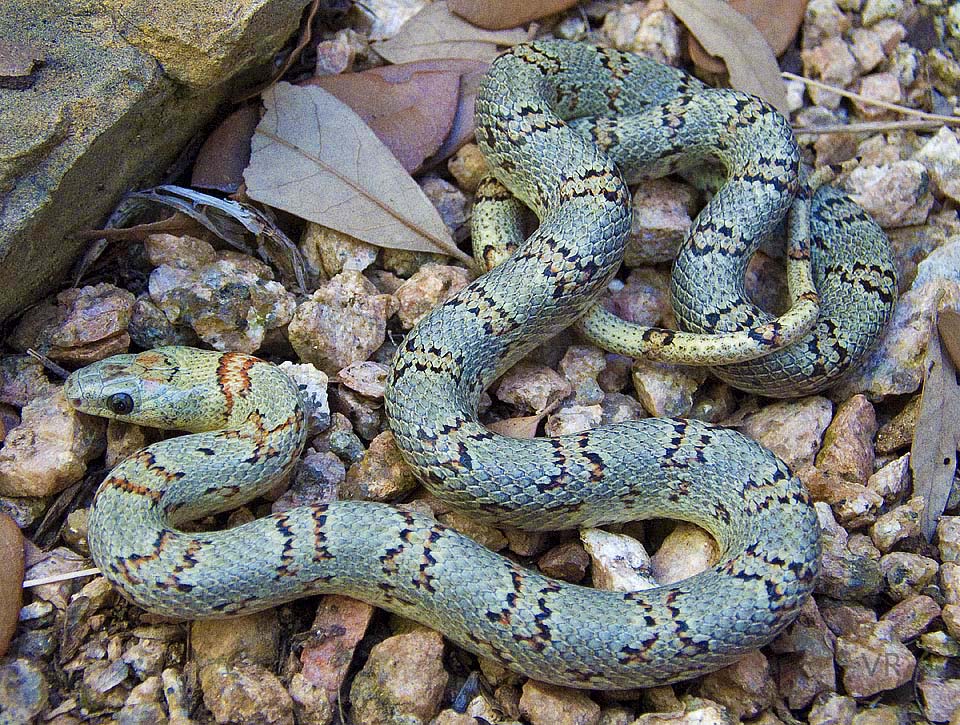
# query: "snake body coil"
252, 430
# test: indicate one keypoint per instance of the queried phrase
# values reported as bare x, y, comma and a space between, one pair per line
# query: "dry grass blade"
725, 33
56, 578
933, 455
314, 157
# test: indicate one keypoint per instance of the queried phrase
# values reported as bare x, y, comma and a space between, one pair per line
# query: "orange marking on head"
233, 376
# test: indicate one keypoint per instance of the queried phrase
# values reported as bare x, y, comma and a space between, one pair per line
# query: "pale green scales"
549, 630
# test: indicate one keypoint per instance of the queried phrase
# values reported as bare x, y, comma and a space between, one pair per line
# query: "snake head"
145, 389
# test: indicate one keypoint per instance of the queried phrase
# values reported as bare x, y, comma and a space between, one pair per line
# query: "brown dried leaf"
777, 20
315, 158
726, 33
11, 579
435, 32
523, 427
411, 115
933, 455
226, 152
500, 14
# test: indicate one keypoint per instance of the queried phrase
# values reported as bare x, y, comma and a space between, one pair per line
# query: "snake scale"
249, 430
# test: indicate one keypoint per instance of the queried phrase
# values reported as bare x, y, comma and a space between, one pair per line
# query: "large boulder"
98, 98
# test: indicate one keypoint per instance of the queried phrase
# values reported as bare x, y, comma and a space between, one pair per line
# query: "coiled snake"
251, 430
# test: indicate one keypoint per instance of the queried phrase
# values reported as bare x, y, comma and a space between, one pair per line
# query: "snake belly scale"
248, 432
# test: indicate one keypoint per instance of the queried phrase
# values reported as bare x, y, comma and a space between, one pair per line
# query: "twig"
952, 120
48, 364
869, 127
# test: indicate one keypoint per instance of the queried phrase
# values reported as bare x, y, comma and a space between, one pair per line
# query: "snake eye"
120, 403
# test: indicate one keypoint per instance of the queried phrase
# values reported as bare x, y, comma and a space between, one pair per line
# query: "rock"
881, 715
428, 287
876, 10
940, 156
341, 323
832, 709
744, 688
86, 325
665, 390
229, 306
568, 562
137, 93
381, 475
105, 685
337, 629
941, 699
312, 384
895, 195
328, 252
948, 538
912, 616
450, 202
649, 30
878, 87
950, 582
620, 563
873, 660
245, 693
791, 429
907, 573
142, 706
855, 505
898, 524
24, 690
478, 710
403, 680
832, 63
940, 644
366, 378
892, 480
951, 619
823, 19
150, 328
468, 167
573, 419
252, 638
365, 414
687, 550
644, 298
806, 650
581, 365
661, 217
896, 366
545, 704
843, 574
617, 408
316, 480
696, 711
866, 48
50, 448
847, 448
532, 387
479, 531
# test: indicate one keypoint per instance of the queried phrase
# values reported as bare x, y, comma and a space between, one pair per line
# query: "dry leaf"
416, 109
226, 152
315, 158
777, 20
724, 32
524, 427
11, 579
435, 32
500, 14
933, 455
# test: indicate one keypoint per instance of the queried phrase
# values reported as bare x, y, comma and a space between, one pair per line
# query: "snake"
245, 425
